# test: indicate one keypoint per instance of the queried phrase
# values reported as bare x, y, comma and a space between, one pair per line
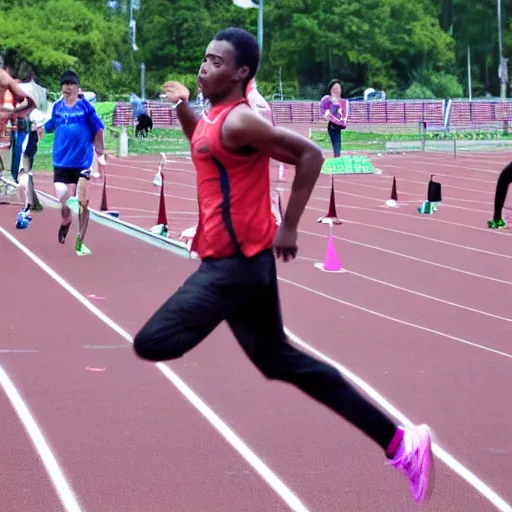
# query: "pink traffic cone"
332, 262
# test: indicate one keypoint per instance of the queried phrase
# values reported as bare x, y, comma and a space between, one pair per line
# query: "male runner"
236, 280
504, 181
78, 132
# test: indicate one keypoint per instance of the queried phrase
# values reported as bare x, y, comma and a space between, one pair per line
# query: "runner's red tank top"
233, 191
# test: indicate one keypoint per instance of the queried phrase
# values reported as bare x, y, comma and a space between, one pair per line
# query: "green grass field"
172, 140
158, 140
362, 141
169, 140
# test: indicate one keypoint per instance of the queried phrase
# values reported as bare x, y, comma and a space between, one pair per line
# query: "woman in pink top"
335, 110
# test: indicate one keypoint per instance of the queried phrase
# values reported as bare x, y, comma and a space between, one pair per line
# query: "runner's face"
69, 90
218, 74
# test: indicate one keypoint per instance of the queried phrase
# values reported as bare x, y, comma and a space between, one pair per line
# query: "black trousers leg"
183, 321
504, 180
259, 329
204, 300
244, 292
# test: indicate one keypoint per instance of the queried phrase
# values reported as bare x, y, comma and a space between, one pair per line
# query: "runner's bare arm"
188, 118
98, 128
244, 128
99, 143
26, 105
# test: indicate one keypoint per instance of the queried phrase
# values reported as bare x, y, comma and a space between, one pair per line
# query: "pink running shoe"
414, 459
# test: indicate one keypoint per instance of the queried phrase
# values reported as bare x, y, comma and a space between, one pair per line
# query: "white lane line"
127, 208
394, 319
465, 189
445, 185
135, 191
418, 201
408, 257
145, 169
442, 454
66, 494
421, 218
235, 441
451, 176
436, 299
413, 292
229, 435
147, 182
466, 167
458, 207
419, 294
447, 200
394, 212
415, 235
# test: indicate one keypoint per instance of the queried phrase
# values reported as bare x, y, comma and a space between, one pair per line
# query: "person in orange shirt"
13, 100
236, 240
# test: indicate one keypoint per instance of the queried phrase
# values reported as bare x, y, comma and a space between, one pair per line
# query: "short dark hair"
247, 52
69, 76
331, 84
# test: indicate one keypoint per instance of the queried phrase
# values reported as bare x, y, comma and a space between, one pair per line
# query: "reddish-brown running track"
422, 315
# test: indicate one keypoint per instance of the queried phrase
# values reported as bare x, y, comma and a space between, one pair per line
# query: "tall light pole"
143, 82
502, 66
470, 88
132, 27
260, 25
135, 5
249, 4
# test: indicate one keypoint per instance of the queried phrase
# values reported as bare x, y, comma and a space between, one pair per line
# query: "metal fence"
441, 113
373, 126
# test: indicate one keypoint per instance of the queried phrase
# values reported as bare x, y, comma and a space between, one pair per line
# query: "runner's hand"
175, 91
285, 243
102, 162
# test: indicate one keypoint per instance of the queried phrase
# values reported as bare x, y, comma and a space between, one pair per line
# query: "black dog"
145, 124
